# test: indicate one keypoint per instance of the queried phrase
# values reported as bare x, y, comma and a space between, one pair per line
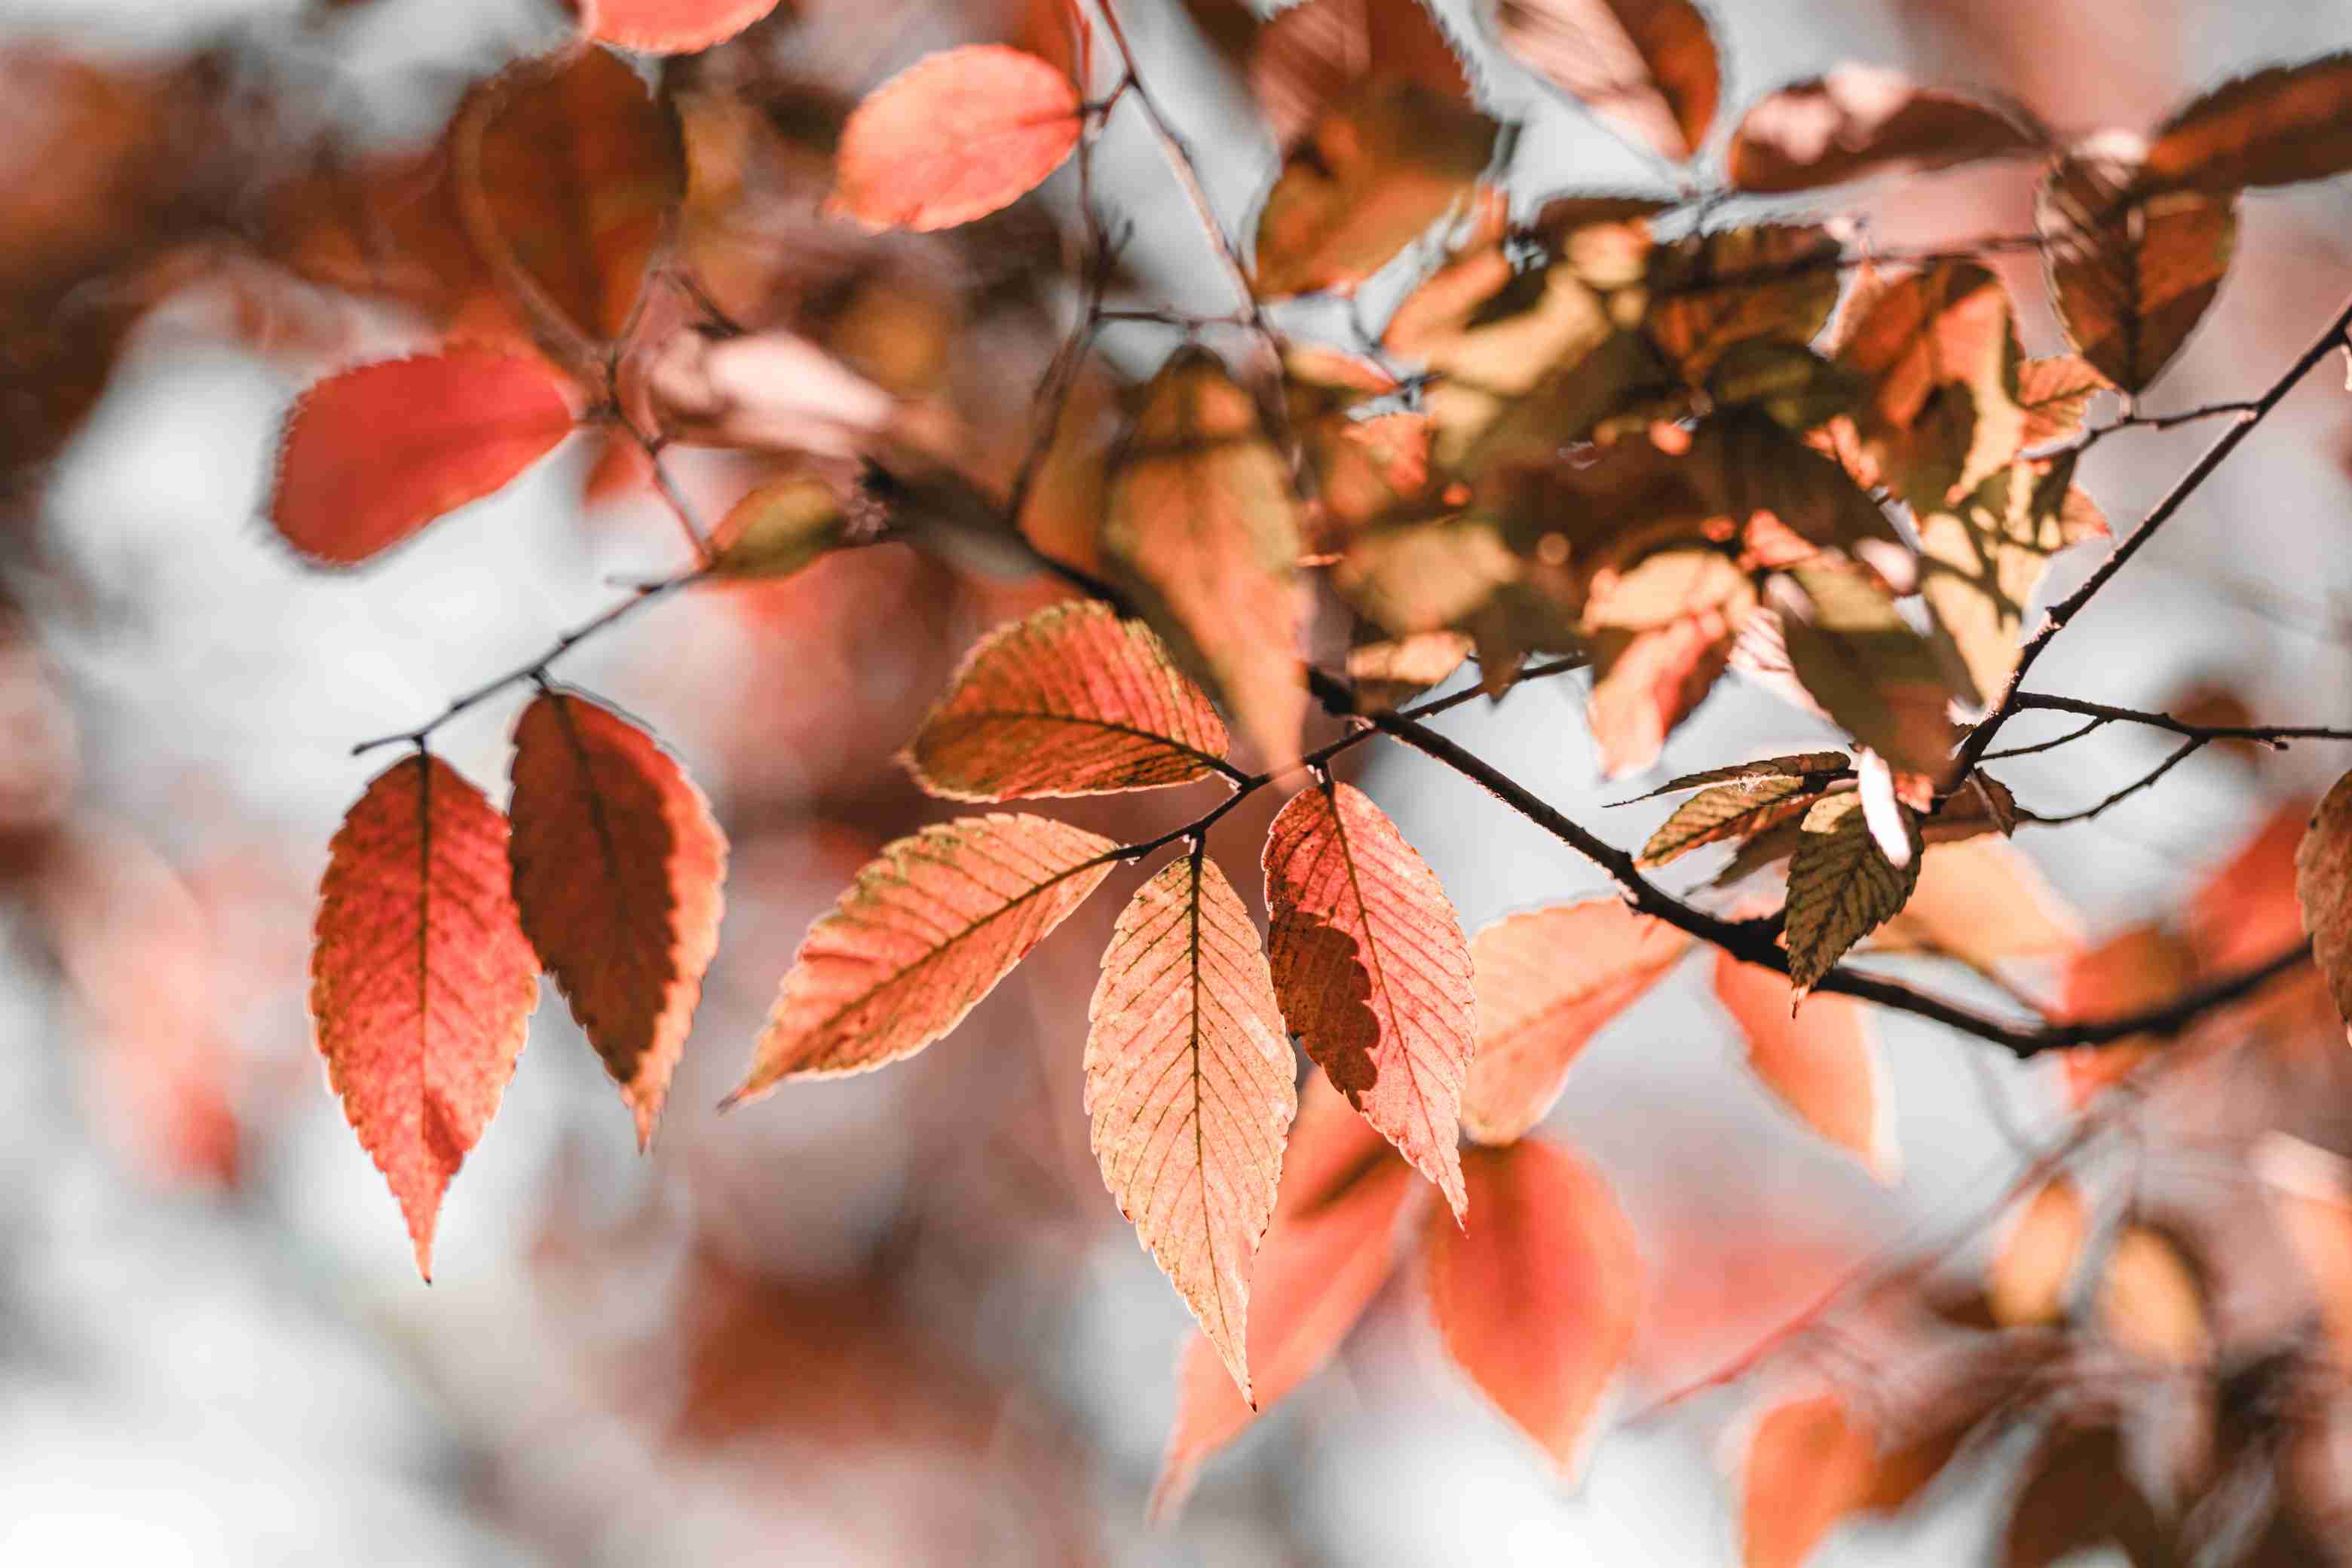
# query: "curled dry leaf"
1538, 1297
953, 137
1204, 531
1840, 886
2323, 886
1647, 67
1730, 811
1866, 120
1547, 982
2275, 127
1755, 774
669, 26
1373, 970
927, 929
369, 456
2026, 1285
2131, 275
1819, 1057
1073, 700
618, 866
1889, 827
421, 979
1326, 1254
1189, 1084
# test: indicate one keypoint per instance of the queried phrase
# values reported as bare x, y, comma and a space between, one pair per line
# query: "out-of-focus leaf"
2276, 127
2323, 887
1378, 169
1373, 972
2310, 1189
1820, 1058
1856, 657
1071, 702
1787, 383
2131, 277
1981, 900
1189, 1078
2143, 967
774, 391
1483, 320
1646, 681
2080, 1495
1941, 357
776, 529
2150, 1300
1730, 811
1807, 1464
1645, 67
668, 26
1986, 554
2026, 1285
369, 456
1203, 530
1711, 291
1360, 467
1537, 1295
421, 979
1866, 120
927, 929
2054, 391
953, 137
1424, 577
617, 866
1388, 672
1313, 55
1547, 982
1326, 1254
1839, 886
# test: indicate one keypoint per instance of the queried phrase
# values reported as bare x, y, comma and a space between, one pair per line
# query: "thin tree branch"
2187, 749
2276, 736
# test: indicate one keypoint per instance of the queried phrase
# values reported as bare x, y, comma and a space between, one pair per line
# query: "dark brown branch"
2276, 735
2185, 750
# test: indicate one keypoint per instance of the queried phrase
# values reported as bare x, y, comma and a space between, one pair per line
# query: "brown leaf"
1752, 776
1855, 656
1313, 55
2054, 391
1071, 702
2323, 886
421, 979
1372, 970
1730, 811
1204, 531
616, 867
1645, 67
2276, 127
2081, 1494
1839, 886
953, 137
1708, 292
1819, 1057
1189, 1083
2131, 278
927, 929
1547, 981
1940, 350
1865, 120
2026, 1285
1985, 555
1538, 1295
369, 456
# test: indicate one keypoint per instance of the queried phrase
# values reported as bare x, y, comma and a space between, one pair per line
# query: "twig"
2187, 749
2276, 736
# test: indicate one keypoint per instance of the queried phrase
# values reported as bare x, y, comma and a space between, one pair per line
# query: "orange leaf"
2150, 1300
1823, 1063
927, 929
1539, 1297
421, 980
1807, 1464
618, 866
1072, 701
1648, 681
1646, 66
2274, 128
1373, 970
953, 137
1983, 902
669, 26
1547, 982
2026, 1285
1325, 1257
370, 456
1864, 120
1312, 55
1188, 1081
1203, 532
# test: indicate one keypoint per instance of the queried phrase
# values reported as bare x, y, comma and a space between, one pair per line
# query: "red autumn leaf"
1823, 1063
1864, 120
2135, 970
618, 866
1539, 1297
1189, 1086
927, 929
1547, 982
1373, 973
954, 137
1325, 1256
669, 26
1808, 1463
370, 456
1646, 66
1073, 700
421, 979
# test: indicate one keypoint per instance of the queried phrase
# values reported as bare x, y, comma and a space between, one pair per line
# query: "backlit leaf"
1985, 555
1982, 900
1326, 1254
927, 929
1862, 663
1866, 120
1774, 282
1315, 54
2275, 127
1751, 775
2323, 886
421, 979
617, 866
1807, 1466
669, 26
1071, 702
1539, 1294
1821, 1059
2150, 1300
2026, 1285
1373, 970
1728, 811
1189, 1083
1839, 886
370, 456
776, 529
1390, 672
1646, 682
1940, 354
2054, 391
2131, 278
953, 137
1204, 531
1646, 66
1547, 982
